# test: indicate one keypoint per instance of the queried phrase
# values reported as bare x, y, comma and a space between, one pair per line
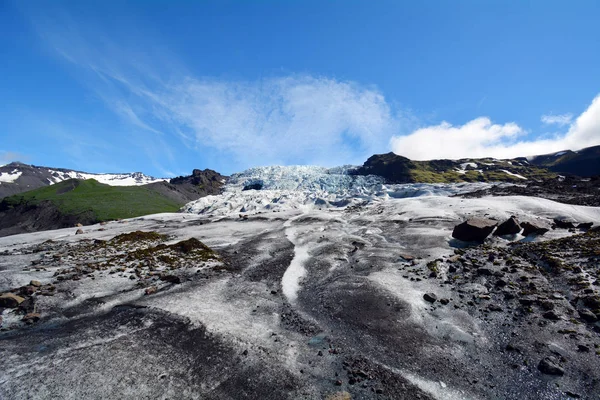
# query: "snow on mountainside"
18, 177
279, 188
127, 179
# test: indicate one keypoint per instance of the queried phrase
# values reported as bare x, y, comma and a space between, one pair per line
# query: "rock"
534, 228
549, 366
564, 223
171, 279
151, 290
587, 316
444, 301
9, 300
527, 301
585, 225
592, 302
583, 348
78, 225
27, 290
430, 297
474, 229
339, 396
28, 305
79, 232
495, 307
509, 227
35, 283
551, 315
31, 318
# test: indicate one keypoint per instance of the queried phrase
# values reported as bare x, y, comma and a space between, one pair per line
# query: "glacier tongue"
305, 187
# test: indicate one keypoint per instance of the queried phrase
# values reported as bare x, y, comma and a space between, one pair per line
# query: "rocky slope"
569, 190
17, 177
87, 202
397, 169
585, 162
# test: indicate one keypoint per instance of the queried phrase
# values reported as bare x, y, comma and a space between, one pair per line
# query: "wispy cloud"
482, 138
557, 119
7, 157
290, 119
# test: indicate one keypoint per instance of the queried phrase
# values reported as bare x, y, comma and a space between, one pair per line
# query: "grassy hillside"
73, 197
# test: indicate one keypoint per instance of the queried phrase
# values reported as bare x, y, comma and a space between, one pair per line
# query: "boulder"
151, 290
549, 366
35, 283
585, 225
170, 278
430, 297
587, 316
509, 227
79, 232
564, 223
31, 318
474, 229
534, 228
10, 300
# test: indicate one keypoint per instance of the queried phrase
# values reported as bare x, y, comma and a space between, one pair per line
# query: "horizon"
270, 165
129, 86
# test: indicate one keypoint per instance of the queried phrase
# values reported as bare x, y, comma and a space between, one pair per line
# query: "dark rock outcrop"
392, 167
531, 228
474, 229
549, 366
564, 223
509, 227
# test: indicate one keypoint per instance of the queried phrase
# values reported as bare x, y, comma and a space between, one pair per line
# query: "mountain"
585, 162
89, 201
397, 169
17, 177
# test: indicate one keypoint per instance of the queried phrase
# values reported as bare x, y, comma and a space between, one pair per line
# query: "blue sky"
165, 87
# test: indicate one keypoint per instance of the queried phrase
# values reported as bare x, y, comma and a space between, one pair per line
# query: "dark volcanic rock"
587, 316
474, 229
392, 167
430, 297
585, 225
533, 228
509, 227
564, 223
549, 366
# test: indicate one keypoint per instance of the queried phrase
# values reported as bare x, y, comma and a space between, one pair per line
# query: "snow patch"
10, 177
127, 179
513, 174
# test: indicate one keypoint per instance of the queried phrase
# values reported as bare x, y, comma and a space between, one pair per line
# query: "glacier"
304, 187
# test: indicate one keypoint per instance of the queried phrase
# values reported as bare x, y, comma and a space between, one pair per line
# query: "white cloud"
560, 120
7, 157
481, 138
294, 119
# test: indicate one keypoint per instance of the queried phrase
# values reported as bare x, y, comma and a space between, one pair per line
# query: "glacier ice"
304, 187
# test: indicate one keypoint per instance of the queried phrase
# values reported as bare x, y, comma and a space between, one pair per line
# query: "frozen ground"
312, 298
